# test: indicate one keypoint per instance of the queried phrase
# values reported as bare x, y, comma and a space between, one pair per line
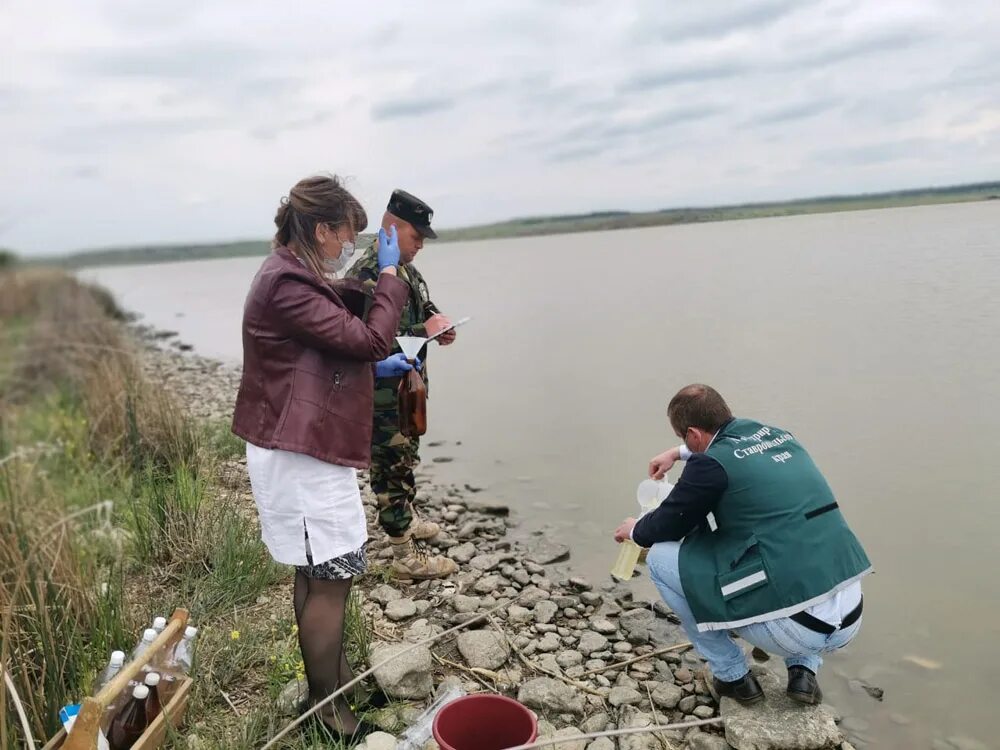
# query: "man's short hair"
698, 405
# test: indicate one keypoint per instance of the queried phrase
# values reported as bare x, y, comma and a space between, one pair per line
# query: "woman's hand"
388, 248
395, 365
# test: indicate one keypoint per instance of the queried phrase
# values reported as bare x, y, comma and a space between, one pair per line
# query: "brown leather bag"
412, 404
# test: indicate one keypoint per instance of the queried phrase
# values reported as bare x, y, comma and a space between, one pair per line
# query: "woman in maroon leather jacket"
305, 409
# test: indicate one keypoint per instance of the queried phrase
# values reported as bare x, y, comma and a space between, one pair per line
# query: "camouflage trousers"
394, 457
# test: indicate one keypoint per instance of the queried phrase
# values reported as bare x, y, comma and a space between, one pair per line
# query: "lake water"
874, 336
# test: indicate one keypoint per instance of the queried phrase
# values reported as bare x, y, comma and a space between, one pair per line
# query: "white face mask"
336, 265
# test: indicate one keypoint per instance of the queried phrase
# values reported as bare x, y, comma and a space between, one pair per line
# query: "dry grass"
80, 425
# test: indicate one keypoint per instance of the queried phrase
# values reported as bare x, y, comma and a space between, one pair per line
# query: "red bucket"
484, 722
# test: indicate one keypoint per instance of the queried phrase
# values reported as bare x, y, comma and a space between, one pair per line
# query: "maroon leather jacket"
308, 375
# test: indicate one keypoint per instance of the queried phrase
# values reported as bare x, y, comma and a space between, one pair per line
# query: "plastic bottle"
159, 624
130, 723
176, 665
412, 404
649, 494
148, 636
110, 671
153, 706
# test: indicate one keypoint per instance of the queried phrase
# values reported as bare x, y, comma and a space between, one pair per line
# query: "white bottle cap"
159, 624
149, 635
117, 658
152, 679
190, 632
140, 693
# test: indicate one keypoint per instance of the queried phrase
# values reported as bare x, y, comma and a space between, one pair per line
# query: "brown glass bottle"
153, 703
130, 723
412, 404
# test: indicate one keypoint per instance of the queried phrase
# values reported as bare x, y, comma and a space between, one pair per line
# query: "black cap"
410, 208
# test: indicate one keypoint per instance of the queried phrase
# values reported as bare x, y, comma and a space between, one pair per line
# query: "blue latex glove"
388, 248
394, 365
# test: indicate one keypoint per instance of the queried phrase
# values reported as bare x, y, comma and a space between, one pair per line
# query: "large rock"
378, 741
531, 596
632, 718
406, 675
292, 696
591, 642
551, 696
638, 624
400, 609
704, 741
602, 743
545, 611
545, 552
384, 594
569, 659
463, 552
624, 696
595, 723
483, 648
778, 723
568, 743
667, 696
465, 604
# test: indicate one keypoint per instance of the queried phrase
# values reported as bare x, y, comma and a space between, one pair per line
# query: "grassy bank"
111, 514
591, 222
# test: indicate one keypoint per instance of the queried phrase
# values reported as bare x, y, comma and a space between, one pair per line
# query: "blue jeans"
783, 637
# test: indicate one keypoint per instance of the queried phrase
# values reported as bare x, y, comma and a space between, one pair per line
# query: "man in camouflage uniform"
395, 456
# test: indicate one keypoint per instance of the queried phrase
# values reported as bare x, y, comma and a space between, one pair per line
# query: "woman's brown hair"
322, 199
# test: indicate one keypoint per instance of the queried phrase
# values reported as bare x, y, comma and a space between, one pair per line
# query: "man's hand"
447, 338
624, 532
437, 323
661, 464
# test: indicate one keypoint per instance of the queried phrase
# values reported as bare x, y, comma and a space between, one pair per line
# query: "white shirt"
294, 492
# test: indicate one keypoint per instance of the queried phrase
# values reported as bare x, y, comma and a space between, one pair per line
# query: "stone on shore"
400, 609
544, 552
591, 642
384, 594
778, 723
406, 675
549, 695
484, 649
667, 696
545, 611
624, 696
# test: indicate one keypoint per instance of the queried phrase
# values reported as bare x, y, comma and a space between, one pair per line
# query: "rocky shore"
585, 657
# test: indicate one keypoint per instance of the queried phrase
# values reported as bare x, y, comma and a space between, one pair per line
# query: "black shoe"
745, 690
803, 687
376, 699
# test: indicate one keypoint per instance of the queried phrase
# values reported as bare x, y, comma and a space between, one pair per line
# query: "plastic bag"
416, 736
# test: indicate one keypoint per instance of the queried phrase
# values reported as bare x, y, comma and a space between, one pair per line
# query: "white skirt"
295, 493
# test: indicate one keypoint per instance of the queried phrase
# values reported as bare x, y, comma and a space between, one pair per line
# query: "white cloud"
133, 123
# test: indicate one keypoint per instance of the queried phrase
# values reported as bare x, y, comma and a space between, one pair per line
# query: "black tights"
320, 610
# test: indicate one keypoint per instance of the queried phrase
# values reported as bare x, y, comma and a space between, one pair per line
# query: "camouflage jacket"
416, 311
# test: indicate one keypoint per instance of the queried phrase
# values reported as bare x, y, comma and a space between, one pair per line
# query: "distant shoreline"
549, 225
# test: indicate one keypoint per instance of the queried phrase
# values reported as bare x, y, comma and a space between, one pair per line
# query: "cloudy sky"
130, 122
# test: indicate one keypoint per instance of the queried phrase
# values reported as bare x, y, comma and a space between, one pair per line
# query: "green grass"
113, 511
588, 222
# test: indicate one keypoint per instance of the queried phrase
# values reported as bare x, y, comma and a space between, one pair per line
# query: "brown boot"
410, 563
421, 528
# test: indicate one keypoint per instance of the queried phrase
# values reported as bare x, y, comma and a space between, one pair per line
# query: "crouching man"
766, 552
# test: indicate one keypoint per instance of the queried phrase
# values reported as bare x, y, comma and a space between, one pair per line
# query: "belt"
817, 625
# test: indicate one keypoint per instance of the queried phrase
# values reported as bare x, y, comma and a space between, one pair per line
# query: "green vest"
780, 544
417, 309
